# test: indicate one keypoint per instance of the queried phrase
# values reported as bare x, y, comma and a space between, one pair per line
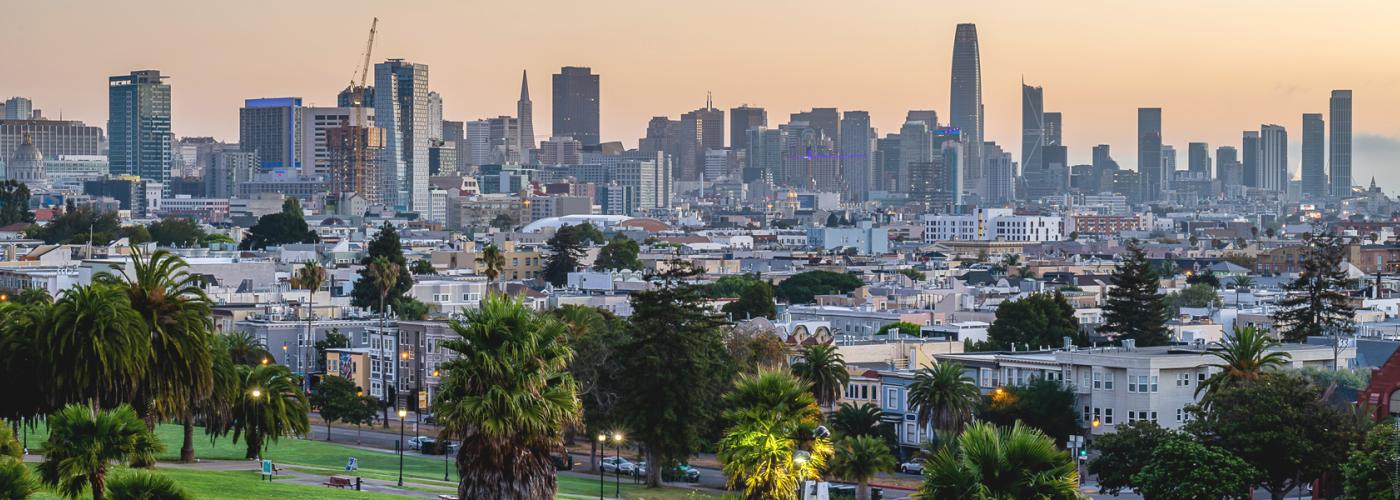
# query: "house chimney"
1068, 343
1129, 344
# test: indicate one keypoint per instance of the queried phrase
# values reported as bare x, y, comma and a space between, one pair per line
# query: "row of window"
1105, 415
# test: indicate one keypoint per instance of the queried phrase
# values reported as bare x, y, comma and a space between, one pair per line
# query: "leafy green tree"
281, 228
596, 336
756, 301
1317, 303
76, 224
177, 231
943, 396
1244, 357
823, 367
361, 413
674, 341
991, 463
1207, 278
33, 296
98, 347
771, 415
1044, 404
334, 398
913, 274
1039, 319
1181, 468
14, 203
412, 309
366, 293
334, 340
1279, 425
620, 253
83, 443
503, 222
566, 248
179, 320
269, 405
215, 410
859, 459
1197, 295
142, 485
752, 348
732, 286
1124, 452
508, 396
422, 266
1367, 471
902, 328
26, 354
802, 288
1135, 310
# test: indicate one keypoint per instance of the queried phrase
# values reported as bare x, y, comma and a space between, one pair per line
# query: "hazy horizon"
1216, 70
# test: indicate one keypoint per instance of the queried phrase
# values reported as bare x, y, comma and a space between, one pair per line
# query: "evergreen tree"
620, 253
385, 244
1040, 319
287, 226
755, 301
14, 203
1317, 303
566, 248
1135, 310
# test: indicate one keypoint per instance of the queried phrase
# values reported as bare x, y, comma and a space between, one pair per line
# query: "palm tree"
141, 485
15, 480
1245, 356
269, 404
245, 349
384, 275
507, 396
492, 260
851, 420
82, 445
772, 444
1006, 463
823, 368
179, 320
860, 458
98, 348
1241, 282
944, 397
309, 276
25, 352
216, 410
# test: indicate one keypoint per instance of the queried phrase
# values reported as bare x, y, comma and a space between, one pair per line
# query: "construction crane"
359, 130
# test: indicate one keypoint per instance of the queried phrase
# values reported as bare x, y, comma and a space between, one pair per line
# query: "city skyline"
1246, 86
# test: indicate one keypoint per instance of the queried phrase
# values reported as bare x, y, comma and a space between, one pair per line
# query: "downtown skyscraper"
966, 101
1032, 128
401, 109
1339, 147
525, 116
857, 150
1150, 172
1273, 158
1314, 157
273, 128
138, 125
576, 105
741, 119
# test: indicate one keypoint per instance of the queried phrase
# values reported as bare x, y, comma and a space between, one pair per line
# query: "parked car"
617, 465
915, 466
682, 472
419, 442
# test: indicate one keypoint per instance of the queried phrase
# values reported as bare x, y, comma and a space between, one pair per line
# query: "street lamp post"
603, 445
257, 400
402, 413
617, 477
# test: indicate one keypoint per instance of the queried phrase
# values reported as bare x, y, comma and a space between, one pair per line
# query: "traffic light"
1083, 455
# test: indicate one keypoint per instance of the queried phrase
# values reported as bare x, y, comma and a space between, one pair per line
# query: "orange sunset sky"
1216, 67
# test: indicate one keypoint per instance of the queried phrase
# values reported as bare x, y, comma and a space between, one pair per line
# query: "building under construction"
354, 152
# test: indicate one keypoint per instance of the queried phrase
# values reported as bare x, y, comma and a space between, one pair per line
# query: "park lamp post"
257, 400
617, 476
402, 413
799, 459
603, 445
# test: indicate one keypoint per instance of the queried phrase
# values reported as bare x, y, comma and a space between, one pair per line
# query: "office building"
401, 109
764, 158
228, 169
54, 138
1054, 127
1339, 146
999, 176
1104, 168
1273, 158
1032, 129
138, 125
857, 145
560, 151
1151, 173
525, 116
576, 105
315, 153
825, 120
697, 132
18, 108
966, 101
915, 146
478, 140
809, 159
741, 119
455, 133
1198, 158
1314, 157
434, 117
347, 97
1249, 159
272, 128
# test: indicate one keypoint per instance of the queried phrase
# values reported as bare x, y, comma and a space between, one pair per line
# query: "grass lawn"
215, 485
579, 487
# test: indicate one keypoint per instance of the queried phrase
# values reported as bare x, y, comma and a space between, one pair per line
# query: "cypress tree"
1316, 303
1135, 309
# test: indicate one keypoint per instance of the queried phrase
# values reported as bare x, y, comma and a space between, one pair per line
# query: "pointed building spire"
524, 114
524, 85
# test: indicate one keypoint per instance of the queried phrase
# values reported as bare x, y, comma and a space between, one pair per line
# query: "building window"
891, 398
1183, 380
1108, 416
1108, 381
1154, 385
1086, 414
1098, 379
1179, 414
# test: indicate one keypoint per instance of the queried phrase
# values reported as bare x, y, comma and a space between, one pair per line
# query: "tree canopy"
1316, 302
1135, 310
75, 225
620, 253
801, 288
566, 248
1038, 320
287, 226
14, 203
177, 231
385, 244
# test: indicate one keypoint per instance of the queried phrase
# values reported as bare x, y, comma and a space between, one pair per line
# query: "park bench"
339, 482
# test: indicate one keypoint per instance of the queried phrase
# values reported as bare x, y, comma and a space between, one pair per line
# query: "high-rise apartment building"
1104, 168
857, 148
138, 125
1228, 169
272, 128
1339, 146
18, 108
525, 114
434, 117
401, 109
966, 101
576, 105
1000, 176
741, 119
1314, 157
1032, 128
915, 146
1273, 158
1249, 160
560, 151
478, 143
1198, 158
1151, 173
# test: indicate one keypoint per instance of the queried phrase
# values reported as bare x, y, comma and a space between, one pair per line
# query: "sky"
1216, 68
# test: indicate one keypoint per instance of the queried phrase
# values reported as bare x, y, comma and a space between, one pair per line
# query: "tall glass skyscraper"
1150, 172
1032, 128
1314, 157
272, 128
401, 109
966, 105
138, 125
1340, 147
857, 148
576, 105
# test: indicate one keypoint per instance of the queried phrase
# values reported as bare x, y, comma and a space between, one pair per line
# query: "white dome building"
27, 166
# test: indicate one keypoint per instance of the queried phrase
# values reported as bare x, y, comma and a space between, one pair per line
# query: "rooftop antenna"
709, 104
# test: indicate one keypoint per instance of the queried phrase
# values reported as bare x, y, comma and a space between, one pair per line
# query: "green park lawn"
238, 485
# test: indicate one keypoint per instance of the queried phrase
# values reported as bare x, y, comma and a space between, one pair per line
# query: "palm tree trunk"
99, 482
254, 446
328, 429
357, 433
863, 490
187, 447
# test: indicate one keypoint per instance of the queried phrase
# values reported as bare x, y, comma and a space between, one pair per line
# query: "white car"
617, 465
417, 443
915, 466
